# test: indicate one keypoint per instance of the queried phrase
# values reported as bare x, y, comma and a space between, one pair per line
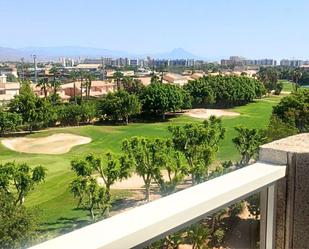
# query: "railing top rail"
143, 223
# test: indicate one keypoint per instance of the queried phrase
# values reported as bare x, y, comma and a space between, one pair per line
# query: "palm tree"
296, 75
73, 76
269, 76
154, 78
81, 75
118, 76
55, 82
127, 83
44, 85
89, 77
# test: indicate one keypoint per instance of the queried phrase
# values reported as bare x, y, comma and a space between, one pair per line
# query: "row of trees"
33, 112
224, 90
131, 100
163, 162
51, 85
211, 232
28, 111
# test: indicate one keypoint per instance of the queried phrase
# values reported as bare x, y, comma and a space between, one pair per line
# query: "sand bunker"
55, 144
206, 113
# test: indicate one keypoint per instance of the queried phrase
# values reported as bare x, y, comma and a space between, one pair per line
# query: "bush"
278, 129
18, 226
73, 114
218, 237
294, 109
279, 88
9, 121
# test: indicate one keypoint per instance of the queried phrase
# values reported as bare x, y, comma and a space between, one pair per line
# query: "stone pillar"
292, 192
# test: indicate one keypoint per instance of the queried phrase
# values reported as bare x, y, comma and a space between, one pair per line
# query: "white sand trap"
55, 144
206, 113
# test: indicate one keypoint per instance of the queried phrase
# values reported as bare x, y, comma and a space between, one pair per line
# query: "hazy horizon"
216, 29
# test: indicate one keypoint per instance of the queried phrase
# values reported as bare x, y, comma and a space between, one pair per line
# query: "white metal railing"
137, 226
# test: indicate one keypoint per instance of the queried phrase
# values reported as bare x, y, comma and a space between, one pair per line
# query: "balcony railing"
142, 225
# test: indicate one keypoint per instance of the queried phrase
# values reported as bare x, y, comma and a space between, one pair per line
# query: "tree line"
131, 101
224, 90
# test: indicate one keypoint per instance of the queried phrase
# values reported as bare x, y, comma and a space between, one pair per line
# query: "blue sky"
209, 28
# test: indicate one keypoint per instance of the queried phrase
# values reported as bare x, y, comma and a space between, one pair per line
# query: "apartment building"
241, 61
291, 63
7, 89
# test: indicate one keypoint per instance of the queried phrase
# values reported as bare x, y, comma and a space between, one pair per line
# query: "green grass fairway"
53, 197
287, 86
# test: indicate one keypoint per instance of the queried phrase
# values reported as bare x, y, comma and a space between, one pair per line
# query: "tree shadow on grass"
124, 203
64, 225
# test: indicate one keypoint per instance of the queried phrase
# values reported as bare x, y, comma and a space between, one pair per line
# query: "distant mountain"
177, 53
53, 53
10, 54
71, 51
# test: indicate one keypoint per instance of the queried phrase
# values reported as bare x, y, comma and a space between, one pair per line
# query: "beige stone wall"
292, 193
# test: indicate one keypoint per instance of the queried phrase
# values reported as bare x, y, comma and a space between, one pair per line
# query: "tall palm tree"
296, 75
154, 78
118, 76
73, 76
81, 75
89, 77
55, 82
44, 85
127, 83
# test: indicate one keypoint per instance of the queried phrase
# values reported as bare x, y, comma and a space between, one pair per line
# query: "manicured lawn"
287, 86
52, 196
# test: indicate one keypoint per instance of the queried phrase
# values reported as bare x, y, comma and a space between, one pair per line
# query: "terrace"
280, 176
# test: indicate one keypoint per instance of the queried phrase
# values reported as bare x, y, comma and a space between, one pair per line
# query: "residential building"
89, 67
175, 79
133, 62
291, 63
7, 90
241, 61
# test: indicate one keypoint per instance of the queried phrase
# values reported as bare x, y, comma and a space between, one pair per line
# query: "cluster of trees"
92, 195
133, 99
159, 98
211, 232
293, 111
18, 226
224, 90
28, 111
161, 162
120, 105
296, 75
270, 76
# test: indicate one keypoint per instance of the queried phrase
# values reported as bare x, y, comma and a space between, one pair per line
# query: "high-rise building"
291, 63
241, 61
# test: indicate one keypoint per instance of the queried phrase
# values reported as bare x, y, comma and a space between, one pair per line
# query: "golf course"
53, 198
